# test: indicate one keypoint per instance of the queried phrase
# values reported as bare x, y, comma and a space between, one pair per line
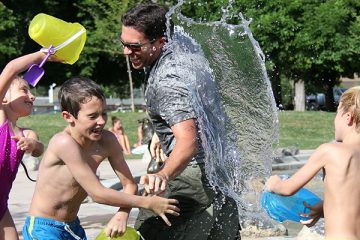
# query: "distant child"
119, 132
67, 170
16, 102
341, 164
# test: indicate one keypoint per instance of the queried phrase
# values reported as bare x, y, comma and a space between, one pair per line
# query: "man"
170, 107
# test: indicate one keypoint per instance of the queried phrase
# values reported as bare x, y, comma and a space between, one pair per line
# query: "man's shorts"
45, 228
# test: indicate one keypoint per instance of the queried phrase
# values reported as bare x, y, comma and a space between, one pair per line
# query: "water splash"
234, 103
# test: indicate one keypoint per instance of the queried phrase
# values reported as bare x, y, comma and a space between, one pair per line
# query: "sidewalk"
93, 216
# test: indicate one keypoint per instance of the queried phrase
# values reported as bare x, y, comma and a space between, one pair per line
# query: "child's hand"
316, 212
26, 144
272, 182
117, 225
163, 205
52, 57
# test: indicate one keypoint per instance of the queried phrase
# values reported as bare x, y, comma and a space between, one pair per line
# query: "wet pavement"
94, 216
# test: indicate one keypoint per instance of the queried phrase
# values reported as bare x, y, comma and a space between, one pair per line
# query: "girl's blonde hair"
350, 102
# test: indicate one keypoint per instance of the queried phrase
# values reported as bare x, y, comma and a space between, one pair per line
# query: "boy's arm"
16, 66
30, 143
68, 150
78, 165
118, 223
303, 175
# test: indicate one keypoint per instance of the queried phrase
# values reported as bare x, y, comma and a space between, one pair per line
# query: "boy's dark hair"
148, 18
77, 91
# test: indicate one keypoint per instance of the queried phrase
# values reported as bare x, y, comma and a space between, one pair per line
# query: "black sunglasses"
135, 47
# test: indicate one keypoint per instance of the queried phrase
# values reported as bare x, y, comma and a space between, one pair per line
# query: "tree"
101, 59
326, 44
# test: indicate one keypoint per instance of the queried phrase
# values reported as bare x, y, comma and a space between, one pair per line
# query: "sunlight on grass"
46, 125
304, 130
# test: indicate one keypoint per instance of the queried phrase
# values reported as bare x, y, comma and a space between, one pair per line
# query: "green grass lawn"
305, 130
46, 125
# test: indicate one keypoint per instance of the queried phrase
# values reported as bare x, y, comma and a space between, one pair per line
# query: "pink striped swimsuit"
10, 158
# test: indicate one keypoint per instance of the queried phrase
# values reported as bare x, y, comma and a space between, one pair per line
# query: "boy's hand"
161, 206
272, 182
117, 225
26, 144
316, 212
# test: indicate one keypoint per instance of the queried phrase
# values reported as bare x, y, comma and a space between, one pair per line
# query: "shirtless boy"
341, 164
67, 171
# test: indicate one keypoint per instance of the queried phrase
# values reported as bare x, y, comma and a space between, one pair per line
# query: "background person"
119, 132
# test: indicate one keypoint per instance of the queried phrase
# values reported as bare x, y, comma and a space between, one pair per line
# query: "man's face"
142, 51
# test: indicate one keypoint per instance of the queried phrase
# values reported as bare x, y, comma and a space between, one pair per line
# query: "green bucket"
130, 234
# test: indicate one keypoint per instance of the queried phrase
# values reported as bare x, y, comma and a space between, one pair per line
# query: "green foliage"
313, 40
9, 41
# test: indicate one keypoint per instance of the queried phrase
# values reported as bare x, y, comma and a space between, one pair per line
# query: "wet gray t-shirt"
168, 99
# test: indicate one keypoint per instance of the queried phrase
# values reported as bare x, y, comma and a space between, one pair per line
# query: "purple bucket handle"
35, 72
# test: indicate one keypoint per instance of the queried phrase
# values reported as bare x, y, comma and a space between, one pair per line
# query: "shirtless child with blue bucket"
341, 163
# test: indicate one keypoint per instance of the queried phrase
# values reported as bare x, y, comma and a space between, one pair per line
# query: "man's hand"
154, 183
156, 150
117, 225
25, 144
316, 212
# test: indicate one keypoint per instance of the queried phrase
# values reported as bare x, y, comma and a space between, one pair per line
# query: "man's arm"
185, 148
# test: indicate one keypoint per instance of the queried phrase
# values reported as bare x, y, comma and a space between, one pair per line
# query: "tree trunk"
329, 97
276, 87
300, 96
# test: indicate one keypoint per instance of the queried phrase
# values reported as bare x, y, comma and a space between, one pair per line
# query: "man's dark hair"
147, 18
77, 91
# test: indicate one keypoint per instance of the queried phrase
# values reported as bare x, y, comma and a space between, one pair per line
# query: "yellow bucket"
68, 38
130, 234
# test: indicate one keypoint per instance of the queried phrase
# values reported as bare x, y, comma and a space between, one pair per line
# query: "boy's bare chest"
94, 156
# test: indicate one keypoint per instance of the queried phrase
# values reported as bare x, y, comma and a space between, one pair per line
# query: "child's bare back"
341, 162
342, 190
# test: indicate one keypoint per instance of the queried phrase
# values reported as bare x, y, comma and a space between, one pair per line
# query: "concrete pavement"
93, 216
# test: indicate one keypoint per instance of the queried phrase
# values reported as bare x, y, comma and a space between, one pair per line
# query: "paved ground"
93, 216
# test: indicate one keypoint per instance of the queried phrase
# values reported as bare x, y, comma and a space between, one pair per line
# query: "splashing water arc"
234, 103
